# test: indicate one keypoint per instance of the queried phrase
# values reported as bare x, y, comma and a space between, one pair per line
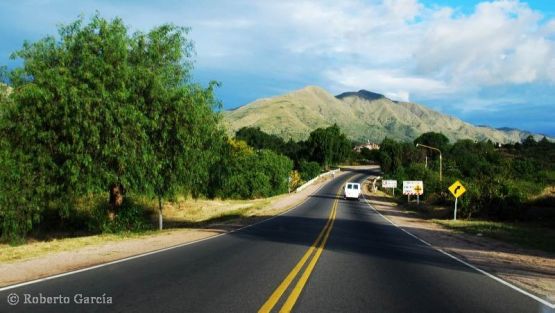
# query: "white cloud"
392, 83
400, 48
502, 42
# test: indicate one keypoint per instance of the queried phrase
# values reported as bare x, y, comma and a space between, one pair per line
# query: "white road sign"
389, 184
413, 187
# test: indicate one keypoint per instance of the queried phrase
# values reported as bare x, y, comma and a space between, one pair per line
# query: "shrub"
309, 170
20, 205
246, 174
296, 180
132, 216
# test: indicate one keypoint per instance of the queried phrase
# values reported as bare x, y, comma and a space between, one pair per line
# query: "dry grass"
526, 235
183, 211
201, 210
39, 248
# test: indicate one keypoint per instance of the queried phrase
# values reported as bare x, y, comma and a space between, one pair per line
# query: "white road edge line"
157, 251
551, 305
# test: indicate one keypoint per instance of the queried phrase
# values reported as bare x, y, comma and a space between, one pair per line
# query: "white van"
352, 190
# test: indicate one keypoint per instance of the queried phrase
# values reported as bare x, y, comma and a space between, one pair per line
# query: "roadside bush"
296, 180
469, 204
132, 216
247, 174
20, 208
309, 170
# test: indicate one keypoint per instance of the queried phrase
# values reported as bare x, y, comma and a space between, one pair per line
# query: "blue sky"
486, 62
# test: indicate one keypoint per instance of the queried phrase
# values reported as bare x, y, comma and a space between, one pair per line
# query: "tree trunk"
160, 218
117, 193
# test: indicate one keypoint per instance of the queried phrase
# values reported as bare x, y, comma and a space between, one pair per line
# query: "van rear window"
349, 186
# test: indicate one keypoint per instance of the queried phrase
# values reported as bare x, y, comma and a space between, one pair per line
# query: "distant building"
369, 145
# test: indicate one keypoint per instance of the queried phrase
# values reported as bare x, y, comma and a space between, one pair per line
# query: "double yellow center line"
317, 246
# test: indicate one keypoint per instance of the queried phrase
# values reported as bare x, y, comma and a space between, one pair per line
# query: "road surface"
326, 255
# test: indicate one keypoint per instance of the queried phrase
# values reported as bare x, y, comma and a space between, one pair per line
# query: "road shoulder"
528, 269
55, 263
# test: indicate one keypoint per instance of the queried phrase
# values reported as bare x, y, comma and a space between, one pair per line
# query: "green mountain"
362, 115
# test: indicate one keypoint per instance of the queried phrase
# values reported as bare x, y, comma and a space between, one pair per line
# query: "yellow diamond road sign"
457, 189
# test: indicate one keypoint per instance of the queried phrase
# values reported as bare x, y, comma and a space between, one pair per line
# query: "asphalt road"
354, 261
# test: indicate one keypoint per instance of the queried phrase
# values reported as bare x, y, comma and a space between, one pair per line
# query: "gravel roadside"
529, 269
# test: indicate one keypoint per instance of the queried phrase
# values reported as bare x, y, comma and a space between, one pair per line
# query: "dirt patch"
529, 269
60, 262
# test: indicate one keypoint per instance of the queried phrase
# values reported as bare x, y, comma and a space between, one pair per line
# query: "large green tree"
182, 129
328, 146
433, 139
258, 139
97, 106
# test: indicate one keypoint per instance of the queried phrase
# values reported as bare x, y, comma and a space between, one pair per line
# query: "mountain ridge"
363, 115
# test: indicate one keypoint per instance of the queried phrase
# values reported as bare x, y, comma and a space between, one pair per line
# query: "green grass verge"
522, 234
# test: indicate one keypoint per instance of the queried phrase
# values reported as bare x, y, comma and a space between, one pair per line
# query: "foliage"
328, 146
309, 170
20, 194
296, 180
133, 216
390, 155
258, 139
325, 146
243, 173
499, 181
369, 155
433, 139
99, 106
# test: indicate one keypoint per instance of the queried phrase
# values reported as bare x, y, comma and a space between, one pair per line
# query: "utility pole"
440, 159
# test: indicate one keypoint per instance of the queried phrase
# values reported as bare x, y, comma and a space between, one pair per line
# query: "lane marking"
294, 296
504, 282
320, 242
276, 295
35, 281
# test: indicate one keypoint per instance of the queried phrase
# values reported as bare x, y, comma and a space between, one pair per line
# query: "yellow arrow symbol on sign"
457, 189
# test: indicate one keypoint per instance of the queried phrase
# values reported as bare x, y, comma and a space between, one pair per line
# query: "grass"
38, 248
522, 234
526, 235
184, 212
203, 210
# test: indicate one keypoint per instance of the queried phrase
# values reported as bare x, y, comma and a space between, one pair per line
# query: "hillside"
362, 115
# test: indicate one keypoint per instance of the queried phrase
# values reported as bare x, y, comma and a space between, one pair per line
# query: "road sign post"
417, 190
457, 190
455, 214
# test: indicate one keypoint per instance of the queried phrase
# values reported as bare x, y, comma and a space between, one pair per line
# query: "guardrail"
310, 182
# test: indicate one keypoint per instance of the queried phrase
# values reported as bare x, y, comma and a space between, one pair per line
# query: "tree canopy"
95, 106
328, 145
